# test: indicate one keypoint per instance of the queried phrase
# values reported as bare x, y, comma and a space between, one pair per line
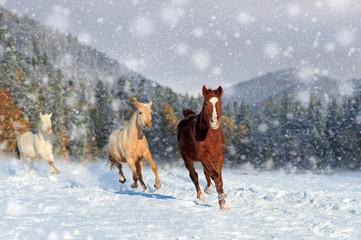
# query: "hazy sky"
185, 44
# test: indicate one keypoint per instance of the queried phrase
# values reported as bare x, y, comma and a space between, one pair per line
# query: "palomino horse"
201, 139
130, 145
37, 145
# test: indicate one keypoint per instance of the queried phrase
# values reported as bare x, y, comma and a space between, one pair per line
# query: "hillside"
78, 62
298, 83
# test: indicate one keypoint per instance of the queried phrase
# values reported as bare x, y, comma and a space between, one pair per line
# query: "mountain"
298, 83
79, 62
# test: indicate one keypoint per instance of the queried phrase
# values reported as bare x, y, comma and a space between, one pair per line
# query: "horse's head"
212, 106
144, 113
45, 123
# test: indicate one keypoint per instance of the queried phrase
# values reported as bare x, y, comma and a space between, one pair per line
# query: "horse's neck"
201, 126
42, 135
202, 122
134, 130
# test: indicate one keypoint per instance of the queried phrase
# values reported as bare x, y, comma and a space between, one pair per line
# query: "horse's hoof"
157, 186
224, 207
122, 181
134, 185
208, 190
201, 198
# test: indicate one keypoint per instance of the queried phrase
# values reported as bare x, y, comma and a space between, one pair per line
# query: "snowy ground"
88, 202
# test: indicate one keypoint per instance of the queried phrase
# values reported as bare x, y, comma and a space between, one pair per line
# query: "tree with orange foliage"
12, 124
170, 119
169, 131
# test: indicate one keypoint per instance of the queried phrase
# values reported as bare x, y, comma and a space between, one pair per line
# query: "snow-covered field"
88, 202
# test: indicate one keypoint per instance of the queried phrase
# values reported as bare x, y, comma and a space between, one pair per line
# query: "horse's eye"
206, 104
140, 112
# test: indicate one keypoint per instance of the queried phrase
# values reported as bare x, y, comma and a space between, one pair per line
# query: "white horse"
37, 145
130, 145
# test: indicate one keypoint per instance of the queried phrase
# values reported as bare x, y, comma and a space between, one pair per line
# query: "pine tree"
315, 134
103, 116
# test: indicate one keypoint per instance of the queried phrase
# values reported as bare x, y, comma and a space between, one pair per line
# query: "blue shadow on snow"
148, 195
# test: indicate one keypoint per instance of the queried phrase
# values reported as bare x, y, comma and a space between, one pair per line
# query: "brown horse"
201, 139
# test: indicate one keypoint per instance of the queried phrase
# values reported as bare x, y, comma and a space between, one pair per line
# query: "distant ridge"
299, 83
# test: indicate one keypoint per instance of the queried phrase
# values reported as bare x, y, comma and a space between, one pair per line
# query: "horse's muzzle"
148, 125
214, 123
49, 131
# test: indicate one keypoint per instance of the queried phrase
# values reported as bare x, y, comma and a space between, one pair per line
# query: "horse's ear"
136, 103
150, 104
40, 115
219, 91
50, 114
204, 90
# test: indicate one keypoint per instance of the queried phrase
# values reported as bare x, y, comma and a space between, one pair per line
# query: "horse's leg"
119, 166
131, 164
194, 176
209, 188
50, 161
138, 166
216, 175
25, 161
121, 174
149, 160
31, 163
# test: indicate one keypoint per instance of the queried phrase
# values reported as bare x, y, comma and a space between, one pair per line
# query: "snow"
201, 59
345, 37
294, 10
198, 32
143, 26
271, 49
88, 202
182, 49
85, 37
277, 35
59, 18
245, 18
339, 5
171, 15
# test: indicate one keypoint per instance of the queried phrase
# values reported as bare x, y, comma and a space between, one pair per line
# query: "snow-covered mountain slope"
299, 83
88, 202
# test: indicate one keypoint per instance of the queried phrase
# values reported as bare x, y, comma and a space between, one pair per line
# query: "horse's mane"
188, 113
188, 116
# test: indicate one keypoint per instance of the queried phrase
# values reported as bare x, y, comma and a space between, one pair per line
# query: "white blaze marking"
214, 100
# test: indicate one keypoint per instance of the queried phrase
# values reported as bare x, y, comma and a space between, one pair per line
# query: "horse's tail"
17, 150
188, 113
110, 160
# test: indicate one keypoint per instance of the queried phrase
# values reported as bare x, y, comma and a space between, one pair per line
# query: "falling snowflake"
59, 18
271, 49
245, 18
201, 59
142, 26
345, 37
